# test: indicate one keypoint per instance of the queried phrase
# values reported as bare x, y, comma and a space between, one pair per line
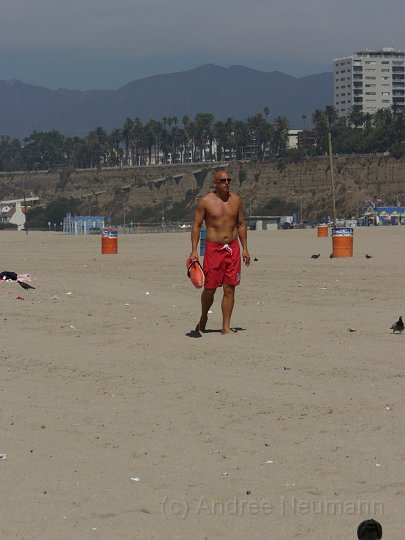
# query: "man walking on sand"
222, 212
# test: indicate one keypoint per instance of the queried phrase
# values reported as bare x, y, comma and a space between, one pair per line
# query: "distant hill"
236, 91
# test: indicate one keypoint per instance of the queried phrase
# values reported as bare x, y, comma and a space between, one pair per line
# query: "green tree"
11, 154
280, 135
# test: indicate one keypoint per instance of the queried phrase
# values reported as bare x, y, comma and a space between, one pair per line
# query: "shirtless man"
222, 212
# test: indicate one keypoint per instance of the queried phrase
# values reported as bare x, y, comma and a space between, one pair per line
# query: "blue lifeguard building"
82, 224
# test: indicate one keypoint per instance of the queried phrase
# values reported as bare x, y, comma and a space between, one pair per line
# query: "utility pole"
25, 215
331, 177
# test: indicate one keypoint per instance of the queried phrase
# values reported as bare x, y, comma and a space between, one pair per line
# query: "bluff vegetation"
276, 187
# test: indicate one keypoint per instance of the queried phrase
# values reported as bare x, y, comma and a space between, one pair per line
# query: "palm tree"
356, 116
318, 116
241, 138
280, 134
331, 114
116, 139
126, 136
397, 127
203, 123
155, 129
97, 141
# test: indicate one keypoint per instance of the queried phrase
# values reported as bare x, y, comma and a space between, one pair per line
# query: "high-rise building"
369, 80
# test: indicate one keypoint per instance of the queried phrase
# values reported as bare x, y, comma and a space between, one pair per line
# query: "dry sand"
104, 385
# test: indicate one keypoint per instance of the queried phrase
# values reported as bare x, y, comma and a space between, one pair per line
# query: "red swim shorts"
221, 264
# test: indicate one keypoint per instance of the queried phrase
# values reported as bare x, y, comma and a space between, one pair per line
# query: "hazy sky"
107, 43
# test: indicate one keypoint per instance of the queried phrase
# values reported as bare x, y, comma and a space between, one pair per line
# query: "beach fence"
95, 224
153, 228
82, 224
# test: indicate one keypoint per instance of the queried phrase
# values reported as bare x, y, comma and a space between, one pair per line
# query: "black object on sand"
25, 285
368, 256
255, 259
8, 275
315, 256
369, 530
398, 326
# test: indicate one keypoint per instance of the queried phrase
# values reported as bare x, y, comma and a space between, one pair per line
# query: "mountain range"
236, 91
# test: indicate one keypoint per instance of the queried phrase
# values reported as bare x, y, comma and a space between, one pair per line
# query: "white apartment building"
371, 80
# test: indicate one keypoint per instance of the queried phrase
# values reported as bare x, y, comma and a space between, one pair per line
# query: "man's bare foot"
202, 324
228, 331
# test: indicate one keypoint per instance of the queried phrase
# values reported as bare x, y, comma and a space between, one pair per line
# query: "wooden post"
332, 179
25, 214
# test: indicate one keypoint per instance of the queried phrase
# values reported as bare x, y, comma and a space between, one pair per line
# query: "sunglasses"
224, 180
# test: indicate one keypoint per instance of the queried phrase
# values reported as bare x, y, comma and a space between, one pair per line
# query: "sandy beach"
117, 424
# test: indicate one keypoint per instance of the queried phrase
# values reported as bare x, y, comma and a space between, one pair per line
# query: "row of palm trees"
359, 132
203, 139
154, 142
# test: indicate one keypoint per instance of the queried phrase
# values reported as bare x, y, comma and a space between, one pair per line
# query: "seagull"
368, 256
398, 326
315, 256
25, 285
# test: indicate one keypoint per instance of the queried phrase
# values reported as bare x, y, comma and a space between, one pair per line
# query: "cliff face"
307, 182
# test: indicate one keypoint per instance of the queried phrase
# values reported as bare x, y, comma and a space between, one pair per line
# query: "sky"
104, 44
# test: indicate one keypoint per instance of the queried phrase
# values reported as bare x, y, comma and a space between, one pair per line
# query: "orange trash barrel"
342, 242
109, 242
323, 230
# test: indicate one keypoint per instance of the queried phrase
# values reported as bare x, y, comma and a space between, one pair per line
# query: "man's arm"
196, 229
242, 233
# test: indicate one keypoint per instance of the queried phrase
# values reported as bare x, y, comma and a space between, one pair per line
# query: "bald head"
221, 175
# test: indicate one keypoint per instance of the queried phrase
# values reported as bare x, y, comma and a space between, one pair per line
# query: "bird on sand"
368, 256
25, 285
315, 256
398, 326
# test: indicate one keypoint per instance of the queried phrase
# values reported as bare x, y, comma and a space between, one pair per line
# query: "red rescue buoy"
195, 273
